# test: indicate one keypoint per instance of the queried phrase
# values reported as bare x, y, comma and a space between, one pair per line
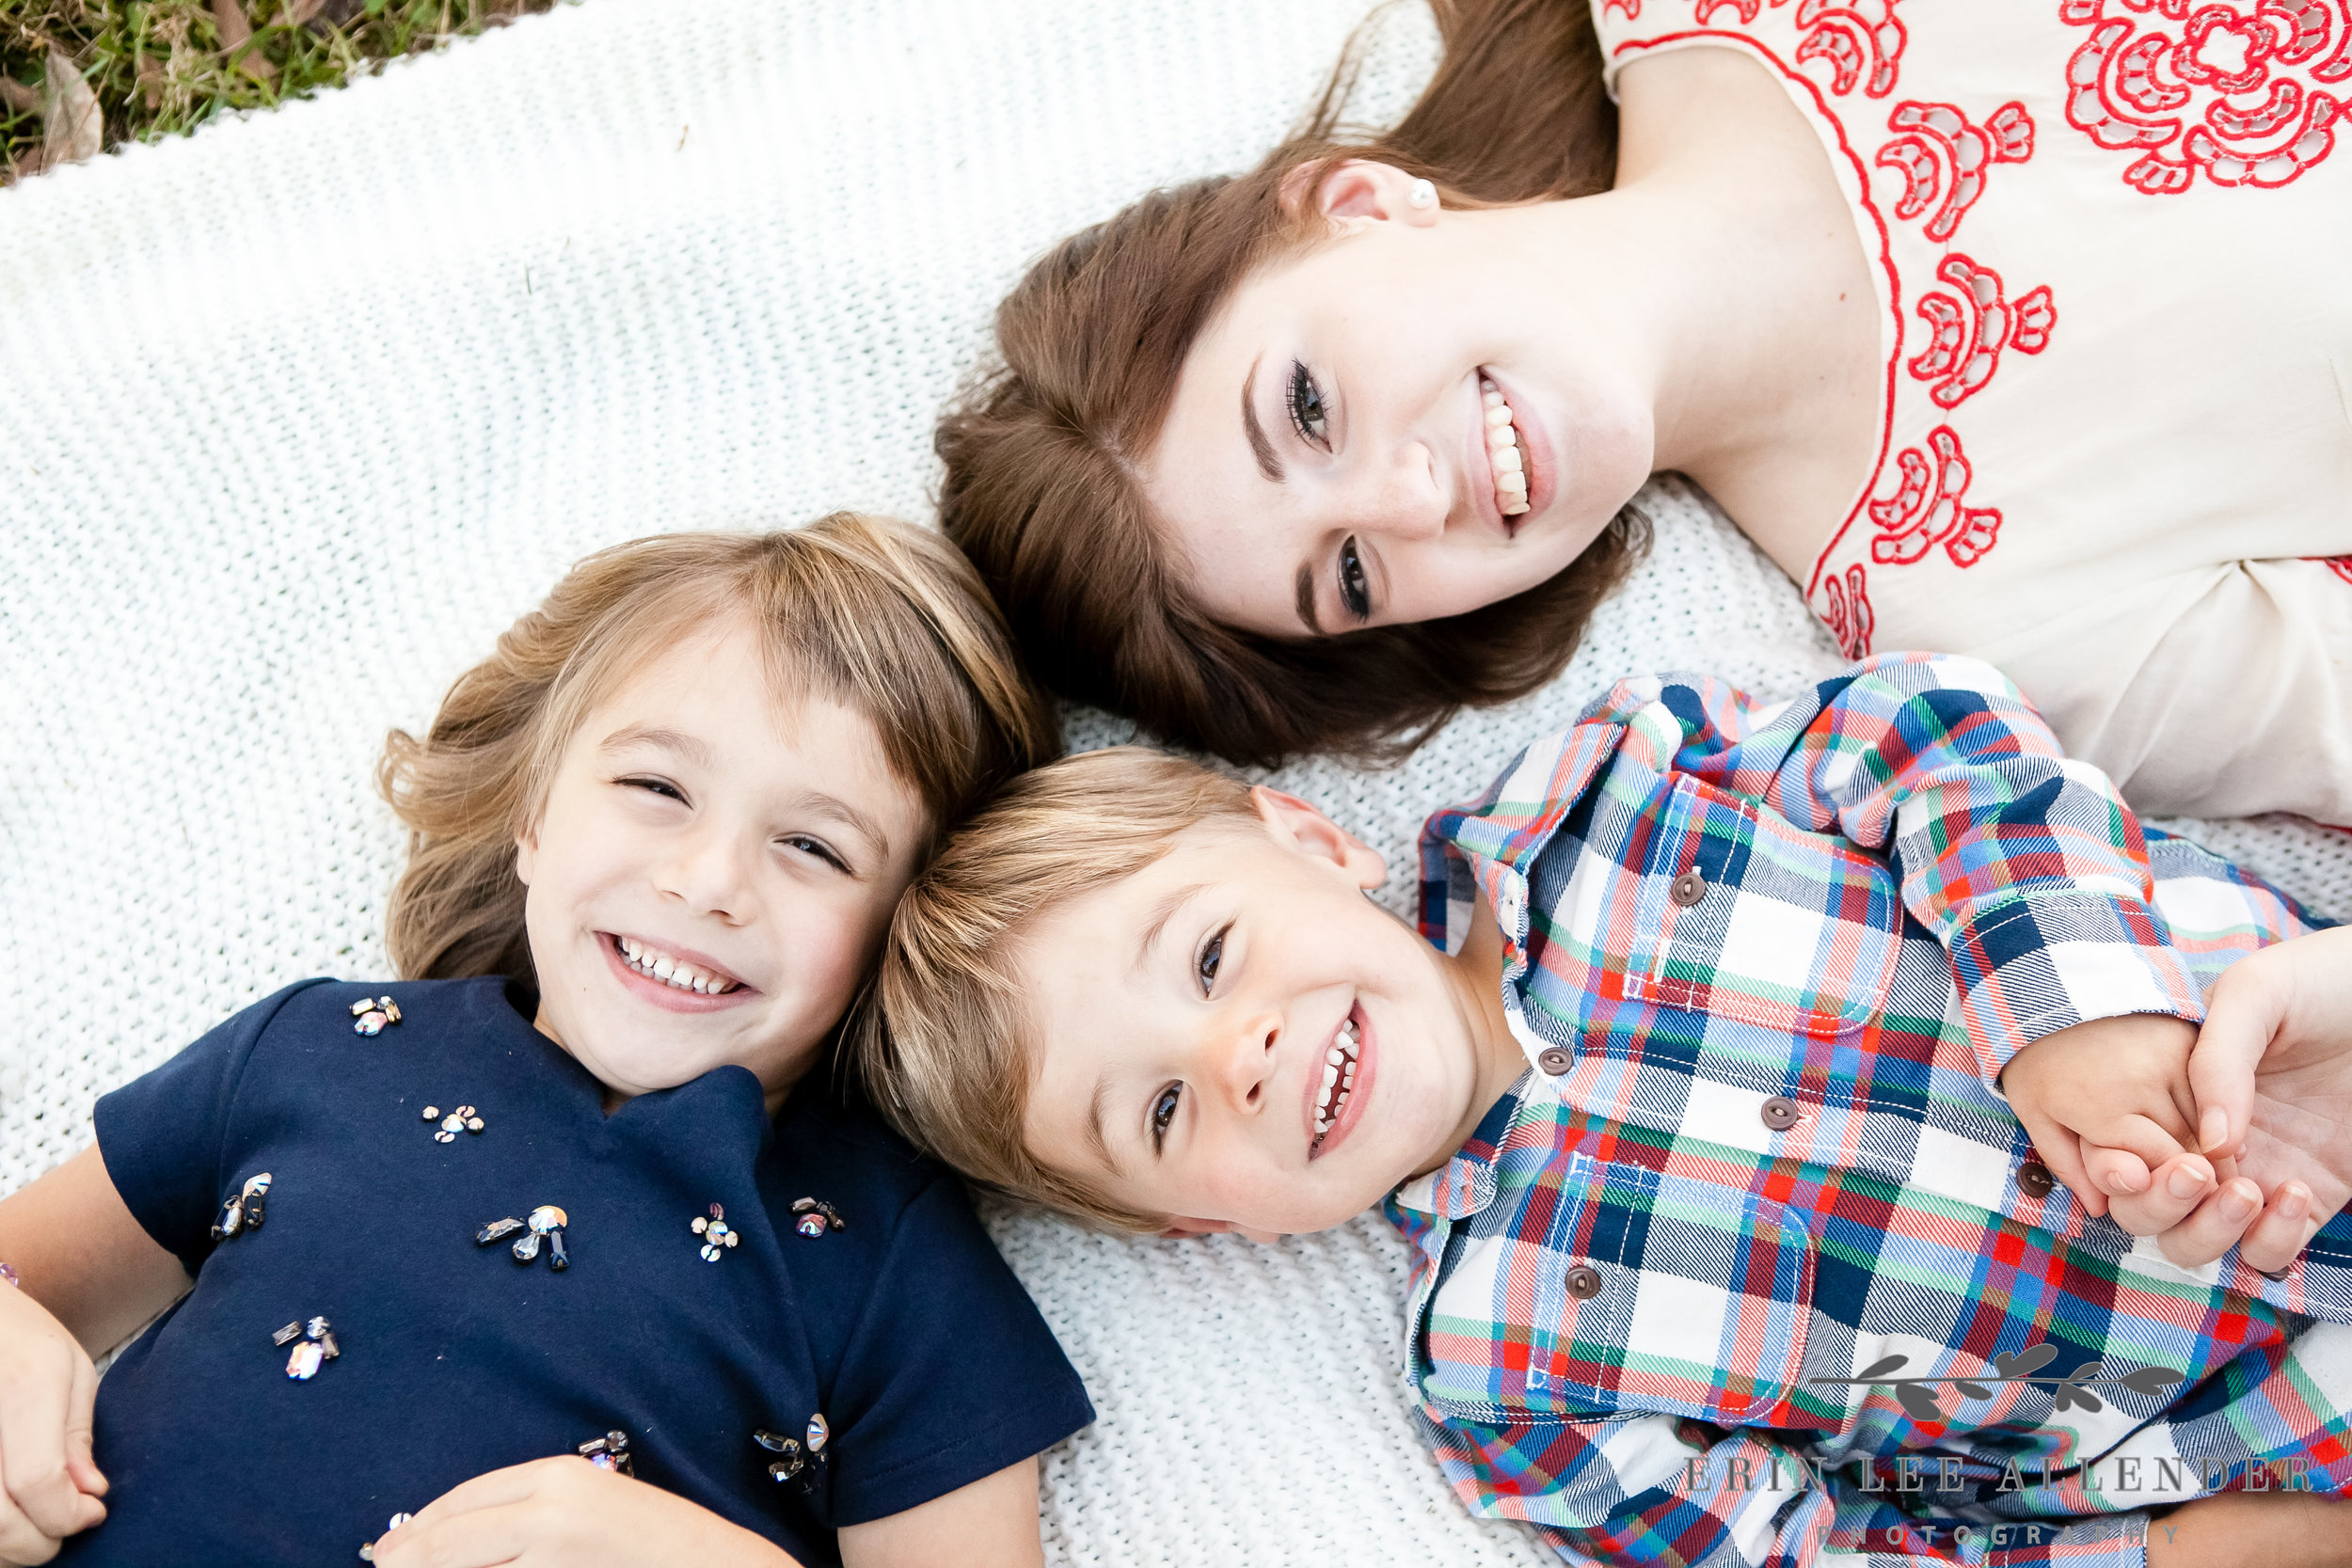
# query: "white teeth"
671, 972
1502, 450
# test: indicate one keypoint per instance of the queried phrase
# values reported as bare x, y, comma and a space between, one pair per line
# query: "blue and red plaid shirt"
1767, 963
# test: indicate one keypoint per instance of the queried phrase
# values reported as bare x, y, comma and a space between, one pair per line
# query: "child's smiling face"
697, 820
1183, 1017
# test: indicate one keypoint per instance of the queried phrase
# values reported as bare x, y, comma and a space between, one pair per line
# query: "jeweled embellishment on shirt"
463, 1119
314, 1346
609, 1452
795, 1456
244, 1210
816, 1216
716, 1233
545, 1223
371, 1017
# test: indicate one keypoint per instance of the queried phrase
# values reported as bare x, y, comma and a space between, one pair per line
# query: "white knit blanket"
301, 411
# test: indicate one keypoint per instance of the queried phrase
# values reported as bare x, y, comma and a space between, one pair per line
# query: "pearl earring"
1421, 193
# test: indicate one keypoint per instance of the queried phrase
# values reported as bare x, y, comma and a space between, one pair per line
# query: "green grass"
160, 67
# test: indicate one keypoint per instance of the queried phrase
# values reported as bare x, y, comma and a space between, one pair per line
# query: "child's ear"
1356, 188
526, 854
1301, 827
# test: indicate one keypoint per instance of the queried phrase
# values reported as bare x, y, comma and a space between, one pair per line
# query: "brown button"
2034, 1177
1779, 1112
1583, 1282
1552, 1060
1689, 888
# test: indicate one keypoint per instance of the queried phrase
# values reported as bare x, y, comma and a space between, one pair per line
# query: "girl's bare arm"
80, 1254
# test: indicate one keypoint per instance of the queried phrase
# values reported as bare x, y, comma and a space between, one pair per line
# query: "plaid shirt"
1767, 963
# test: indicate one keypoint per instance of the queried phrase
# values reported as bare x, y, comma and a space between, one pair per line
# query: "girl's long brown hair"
886, 619
1041, 453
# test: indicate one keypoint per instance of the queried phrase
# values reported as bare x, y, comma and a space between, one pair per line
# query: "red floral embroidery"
1943, 159
2244, 77
1927, 508
1967, 333
1858, 39
2340, 565
1632, 9
1850, 618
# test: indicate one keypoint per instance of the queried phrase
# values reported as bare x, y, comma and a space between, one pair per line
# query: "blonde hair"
947, 1052
887, 619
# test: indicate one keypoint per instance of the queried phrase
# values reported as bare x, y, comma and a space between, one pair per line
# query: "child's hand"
566, 1513
2272, 1072
2108, 1107
49, 1488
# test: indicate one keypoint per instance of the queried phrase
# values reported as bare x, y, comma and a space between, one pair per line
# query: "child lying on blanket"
1723, 1107
656, 839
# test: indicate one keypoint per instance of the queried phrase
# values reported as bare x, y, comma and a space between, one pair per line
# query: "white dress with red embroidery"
2112, 242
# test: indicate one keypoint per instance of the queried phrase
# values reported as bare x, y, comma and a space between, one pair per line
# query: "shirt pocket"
1641, 1293
1742, 914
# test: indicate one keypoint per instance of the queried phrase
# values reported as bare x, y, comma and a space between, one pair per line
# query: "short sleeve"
950, 1374
162, 1135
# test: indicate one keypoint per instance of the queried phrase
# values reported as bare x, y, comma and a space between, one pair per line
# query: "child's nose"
1248, 1068
706, 872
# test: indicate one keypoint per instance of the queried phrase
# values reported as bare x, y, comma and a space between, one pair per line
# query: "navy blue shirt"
904, 1329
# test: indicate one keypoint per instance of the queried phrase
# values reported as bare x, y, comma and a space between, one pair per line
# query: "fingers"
2286, 1224
2061, 1151
2168, 1195
2243, 1018
38, 1397
80, 1433
2215, 1226
2116, 1171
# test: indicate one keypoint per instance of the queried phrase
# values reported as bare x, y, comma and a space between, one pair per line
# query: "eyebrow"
685, 745
1306, 590
1096, 1139
1259, 446
1162, 912
846, 813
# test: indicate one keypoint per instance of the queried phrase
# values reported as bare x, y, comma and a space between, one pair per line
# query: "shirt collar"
1466, 1182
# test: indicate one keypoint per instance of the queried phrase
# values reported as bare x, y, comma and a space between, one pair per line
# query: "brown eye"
1164, 1113
1308, 414
1355, 592
1212, 954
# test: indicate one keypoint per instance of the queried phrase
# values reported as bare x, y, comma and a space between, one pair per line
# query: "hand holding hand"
2272, 1074
2108, 1107
567, 1514
49, 1488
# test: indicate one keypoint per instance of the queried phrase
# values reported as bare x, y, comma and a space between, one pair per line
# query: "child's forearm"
79, 1253
2282, 1529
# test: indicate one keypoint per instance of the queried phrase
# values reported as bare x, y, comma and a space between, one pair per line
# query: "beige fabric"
2115, 417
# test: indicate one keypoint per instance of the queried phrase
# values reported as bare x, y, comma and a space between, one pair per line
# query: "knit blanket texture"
303, 409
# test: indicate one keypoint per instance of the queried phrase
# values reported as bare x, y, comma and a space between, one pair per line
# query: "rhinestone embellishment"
367, 1550
371, 1017
313, 1347
609, 1452
546, 1223
244, 1211
716, 1233
816, 1216
463, 1119
795, 1455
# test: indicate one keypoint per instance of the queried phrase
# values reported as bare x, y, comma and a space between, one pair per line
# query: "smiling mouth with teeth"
1502, 450
654, 964
1339, 1079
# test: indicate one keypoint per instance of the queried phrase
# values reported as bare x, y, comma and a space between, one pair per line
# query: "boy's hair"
886, 619
947, 1052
